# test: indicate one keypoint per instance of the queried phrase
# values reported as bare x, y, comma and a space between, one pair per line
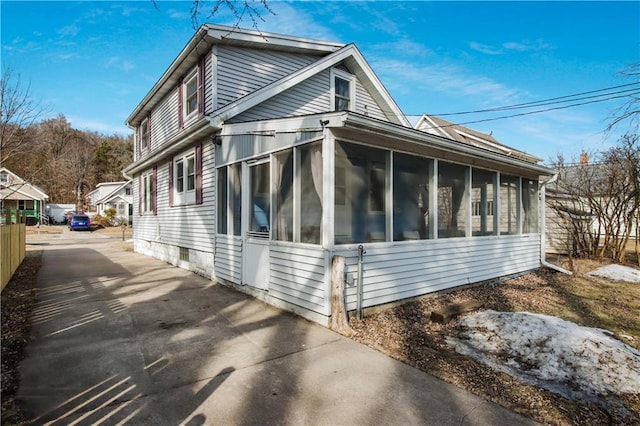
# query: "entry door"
257, 225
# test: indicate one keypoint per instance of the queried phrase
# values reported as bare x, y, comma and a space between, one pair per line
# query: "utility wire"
549, 101
538, 111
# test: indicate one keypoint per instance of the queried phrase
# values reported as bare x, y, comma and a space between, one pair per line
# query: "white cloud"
510, 46
119, 63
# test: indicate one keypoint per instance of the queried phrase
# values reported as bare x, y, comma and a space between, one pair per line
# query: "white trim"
189, 77
351, 79
186, 196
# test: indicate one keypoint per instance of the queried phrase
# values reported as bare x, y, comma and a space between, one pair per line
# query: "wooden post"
339, 321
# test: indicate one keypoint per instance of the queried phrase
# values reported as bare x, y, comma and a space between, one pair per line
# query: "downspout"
543, 227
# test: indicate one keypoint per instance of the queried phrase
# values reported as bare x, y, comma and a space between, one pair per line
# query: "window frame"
351, 79
184, 195
147, 193
144, 135
192, 77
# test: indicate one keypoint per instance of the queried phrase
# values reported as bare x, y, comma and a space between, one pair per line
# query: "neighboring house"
16, 194
57, 213
112, 195
569, 216
259, 157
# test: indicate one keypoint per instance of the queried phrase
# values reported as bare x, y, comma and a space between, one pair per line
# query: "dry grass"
406, 333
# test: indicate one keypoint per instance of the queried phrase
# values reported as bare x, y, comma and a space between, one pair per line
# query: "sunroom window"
360, 194
483, 195
509, 204
530, 206
452, 205
411, 183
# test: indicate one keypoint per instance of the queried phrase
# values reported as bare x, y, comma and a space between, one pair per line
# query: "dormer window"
4, 178
190, 88
343, 91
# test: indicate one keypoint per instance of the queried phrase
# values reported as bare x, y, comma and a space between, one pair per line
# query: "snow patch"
575, 361
617, 273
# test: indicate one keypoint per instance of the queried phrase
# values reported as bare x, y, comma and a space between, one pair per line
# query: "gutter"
179, 142
543, 226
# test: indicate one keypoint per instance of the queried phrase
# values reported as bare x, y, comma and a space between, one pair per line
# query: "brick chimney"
584, 159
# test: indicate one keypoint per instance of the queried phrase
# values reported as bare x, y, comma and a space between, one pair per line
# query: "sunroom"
411, 212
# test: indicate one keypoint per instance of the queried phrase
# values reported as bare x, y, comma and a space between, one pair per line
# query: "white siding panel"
242, 70
399, 271
164, 119
193, 225
298, 277
366, 105
309, 97
228, 258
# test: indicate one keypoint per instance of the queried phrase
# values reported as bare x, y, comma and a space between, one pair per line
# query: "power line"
548, 101
539, 111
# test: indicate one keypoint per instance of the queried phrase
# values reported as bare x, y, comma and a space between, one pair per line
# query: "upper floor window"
127, 191
190, 87
144, 134
343, 91
4, 178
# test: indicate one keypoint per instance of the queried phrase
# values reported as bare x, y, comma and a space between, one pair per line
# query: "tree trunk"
339, 321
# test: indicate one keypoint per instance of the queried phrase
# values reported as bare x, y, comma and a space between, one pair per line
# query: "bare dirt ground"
406, 333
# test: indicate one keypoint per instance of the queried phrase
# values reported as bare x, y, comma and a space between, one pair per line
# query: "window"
530, 206
452, 210
127, 191
509, 204
361, 194
144, 135
185, 176
121, 209
483, 196
310, 175
4, 178
259, 219
22, 204
411, 185
230, 199
147, 193
343, 90
283, 193
190, 88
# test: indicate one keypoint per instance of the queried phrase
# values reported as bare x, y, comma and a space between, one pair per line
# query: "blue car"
79, 222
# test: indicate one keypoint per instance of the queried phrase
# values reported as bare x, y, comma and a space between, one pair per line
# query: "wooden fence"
12, 250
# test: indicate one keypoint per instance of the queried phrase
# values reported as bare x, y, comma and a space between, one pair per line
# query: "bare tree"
19, 111
241, 9
630, 110
598, 203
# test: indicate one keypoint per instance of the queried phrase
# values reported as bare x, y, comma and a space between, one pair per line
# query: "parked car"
79, 222
68, 215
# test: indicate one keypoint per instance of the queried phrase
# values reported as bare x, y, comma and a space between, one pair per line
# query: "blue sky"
94, 61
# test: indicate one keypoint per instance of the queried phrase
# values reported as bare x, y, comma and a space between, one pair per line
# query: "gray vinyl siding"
241, 71
228, 258
312, 96
298, 277
406, 270
366, 105
242, 147
209, 92
191, 226
309, 97
164, 119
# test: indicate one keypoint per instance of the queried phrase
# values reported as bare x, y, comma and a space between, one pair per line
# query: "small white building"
18, 195
259, 157
112, 195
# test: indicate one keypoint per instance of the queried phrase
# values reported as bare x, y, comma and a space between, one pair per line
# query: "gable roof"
204, 39
115, 192
437, 126
20, 189
352, 58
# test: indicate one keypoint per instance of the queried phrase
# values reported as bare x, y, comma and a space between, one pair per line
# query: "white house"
112, 195
259, 157
16, 194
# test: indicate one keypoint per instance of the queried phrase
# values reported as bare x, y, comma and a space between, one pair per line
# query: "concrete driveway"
121, 338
